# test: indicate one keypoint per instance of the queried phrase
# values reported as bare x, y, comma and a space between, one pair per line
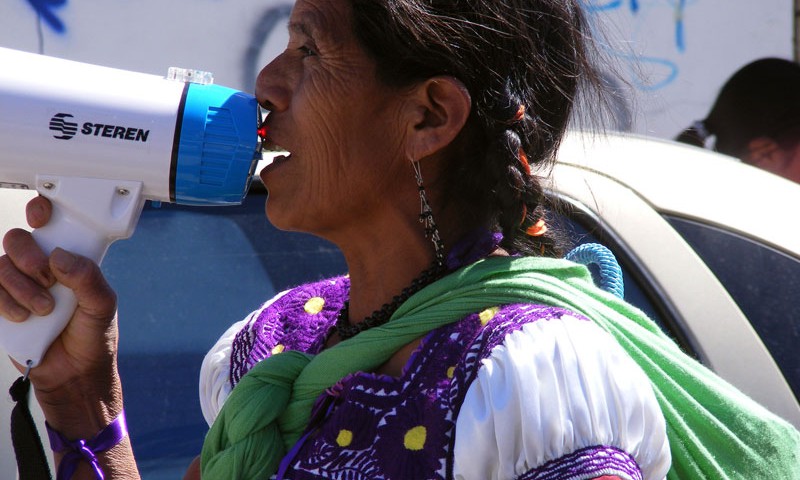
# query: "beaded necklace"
476, 245
382, 315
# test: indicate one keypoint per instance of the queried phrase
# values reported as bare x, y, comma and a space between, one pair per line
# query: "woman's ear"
438, 110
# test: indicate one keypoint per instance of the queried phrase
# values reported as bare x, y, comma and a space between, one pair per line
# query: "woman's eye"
306, 51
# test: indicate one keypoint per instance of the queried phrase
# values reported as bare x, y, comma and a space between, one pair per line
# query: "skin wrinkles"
332, 168
349, 177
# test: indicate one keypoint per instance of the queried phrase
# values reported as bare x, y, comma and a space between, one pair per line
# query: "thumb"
83, 276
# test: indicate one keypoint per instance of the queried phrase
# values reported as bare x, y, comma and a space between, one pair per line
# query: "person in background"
756, 118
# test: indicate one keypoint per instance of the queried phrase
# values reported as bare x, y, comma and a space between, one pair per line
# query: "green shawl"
714, 430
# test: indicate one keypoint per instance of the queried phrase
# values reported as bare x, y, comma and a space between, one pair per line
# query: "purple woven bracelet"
78, 450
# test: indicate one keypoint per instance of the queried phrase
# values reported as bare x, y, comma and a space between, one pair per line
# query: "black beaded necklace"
347, 330
437, 270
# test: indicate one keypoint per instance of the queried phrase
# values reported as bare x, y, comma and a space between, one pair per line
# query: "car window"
763, 282
182, 279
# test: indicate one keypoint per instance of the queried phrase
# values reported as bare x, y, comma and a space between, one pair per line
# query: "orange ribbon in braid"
523, 158
537, 229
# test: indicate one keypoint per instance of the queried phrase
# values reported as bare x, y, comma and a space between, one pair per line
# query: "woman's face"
340, 124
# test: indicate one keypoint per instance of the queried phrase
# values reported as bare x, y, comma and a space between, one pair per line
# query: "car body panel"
714, 187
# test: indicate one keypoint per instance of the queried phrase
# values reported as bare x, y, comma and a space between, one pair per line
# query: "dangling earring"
437, 269
426, 217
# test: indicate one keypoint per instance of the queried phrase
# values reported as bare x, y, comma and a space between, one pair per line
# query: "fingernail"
42, 304
63, 260
37, 211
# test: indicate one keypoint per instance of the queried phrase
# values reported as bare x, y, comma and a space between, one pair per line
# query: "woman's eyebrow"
300, 27
307, 24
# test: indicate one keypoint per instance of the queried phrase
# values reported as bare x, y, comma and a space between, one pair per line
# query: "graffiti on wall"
46, 17
663, 70
641, 71
46, 13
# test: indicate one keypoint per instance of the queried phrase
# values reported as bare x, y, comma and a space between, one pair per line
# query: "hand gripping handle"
88, 215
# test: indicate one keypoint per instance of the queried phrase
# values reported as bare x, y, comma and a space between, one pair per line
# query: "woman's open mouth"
271, 151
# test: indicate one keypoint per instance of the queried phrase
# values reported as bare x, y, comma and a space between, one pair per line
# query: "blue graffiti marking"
594, 6
669, 72
666, 70
44, 8
591, 7
679, 38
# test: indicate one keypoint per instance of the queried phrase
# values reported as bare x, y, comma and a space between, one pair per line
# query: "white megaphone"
98, 142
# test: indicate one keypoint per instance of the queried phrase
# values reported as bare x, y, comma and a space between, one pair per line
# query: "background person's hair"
508, 53
761, 99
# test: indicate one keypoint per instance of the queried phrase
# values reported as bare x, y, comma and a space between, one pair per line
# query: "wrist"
80, 409
71, 453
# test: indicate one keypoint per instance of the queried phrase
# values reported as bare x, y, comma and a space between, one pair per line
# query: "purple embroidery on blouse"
377, 426
399, 428
299, 320
590, 462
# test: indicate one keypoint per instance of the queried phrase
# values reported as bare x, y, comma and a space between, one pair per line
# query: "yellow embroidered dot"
450, 372
314, 305
488, 314
344, 438
415, 438
277, 349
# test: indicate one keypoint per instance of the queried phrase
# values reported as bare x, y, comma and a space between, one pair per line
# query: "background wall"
673, 54
676, 54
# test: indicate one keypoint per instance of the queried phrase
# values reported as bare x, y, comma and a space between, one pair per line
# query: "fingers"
25, 254
83, 276
24, 277
38, 211
26, 274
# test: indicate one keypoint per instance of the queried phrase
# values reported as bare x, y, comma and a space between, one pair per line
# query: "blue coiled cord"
610, 271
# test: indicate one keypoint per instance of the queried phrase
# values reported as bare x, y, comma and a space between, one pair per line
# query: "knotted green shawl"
714, 431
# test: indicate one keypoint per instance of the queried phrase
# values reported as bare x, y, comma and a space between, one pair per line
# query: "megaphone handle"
87, 216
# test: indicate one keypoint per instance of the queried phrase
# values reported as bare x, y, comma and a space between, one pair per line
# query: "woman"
415, 131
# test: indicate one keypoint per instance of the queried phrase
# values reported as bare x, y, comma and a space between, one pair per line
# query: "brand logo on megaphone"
59, 123
66, 129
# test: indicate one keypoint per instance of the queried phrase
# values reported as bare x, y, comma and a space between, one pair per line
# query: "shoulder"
299, 319
295, 319
553, 390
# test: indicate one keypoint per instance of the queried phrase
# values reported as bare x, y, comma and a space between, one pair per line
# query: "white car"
708, 247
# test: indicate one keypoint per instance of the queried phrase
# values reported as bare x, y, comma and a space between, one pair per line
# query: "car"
707, 247
705, 243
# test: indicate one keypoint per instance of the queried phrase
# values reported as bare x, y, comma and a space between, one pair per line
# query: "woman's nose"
272, 87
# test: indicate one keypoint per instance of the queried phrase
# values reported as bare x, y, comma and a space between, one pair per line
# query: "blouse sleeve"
560, 396
215, 383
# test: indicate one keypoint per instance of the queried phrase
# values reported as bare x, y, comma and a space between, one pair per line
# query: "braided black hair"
522, 62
